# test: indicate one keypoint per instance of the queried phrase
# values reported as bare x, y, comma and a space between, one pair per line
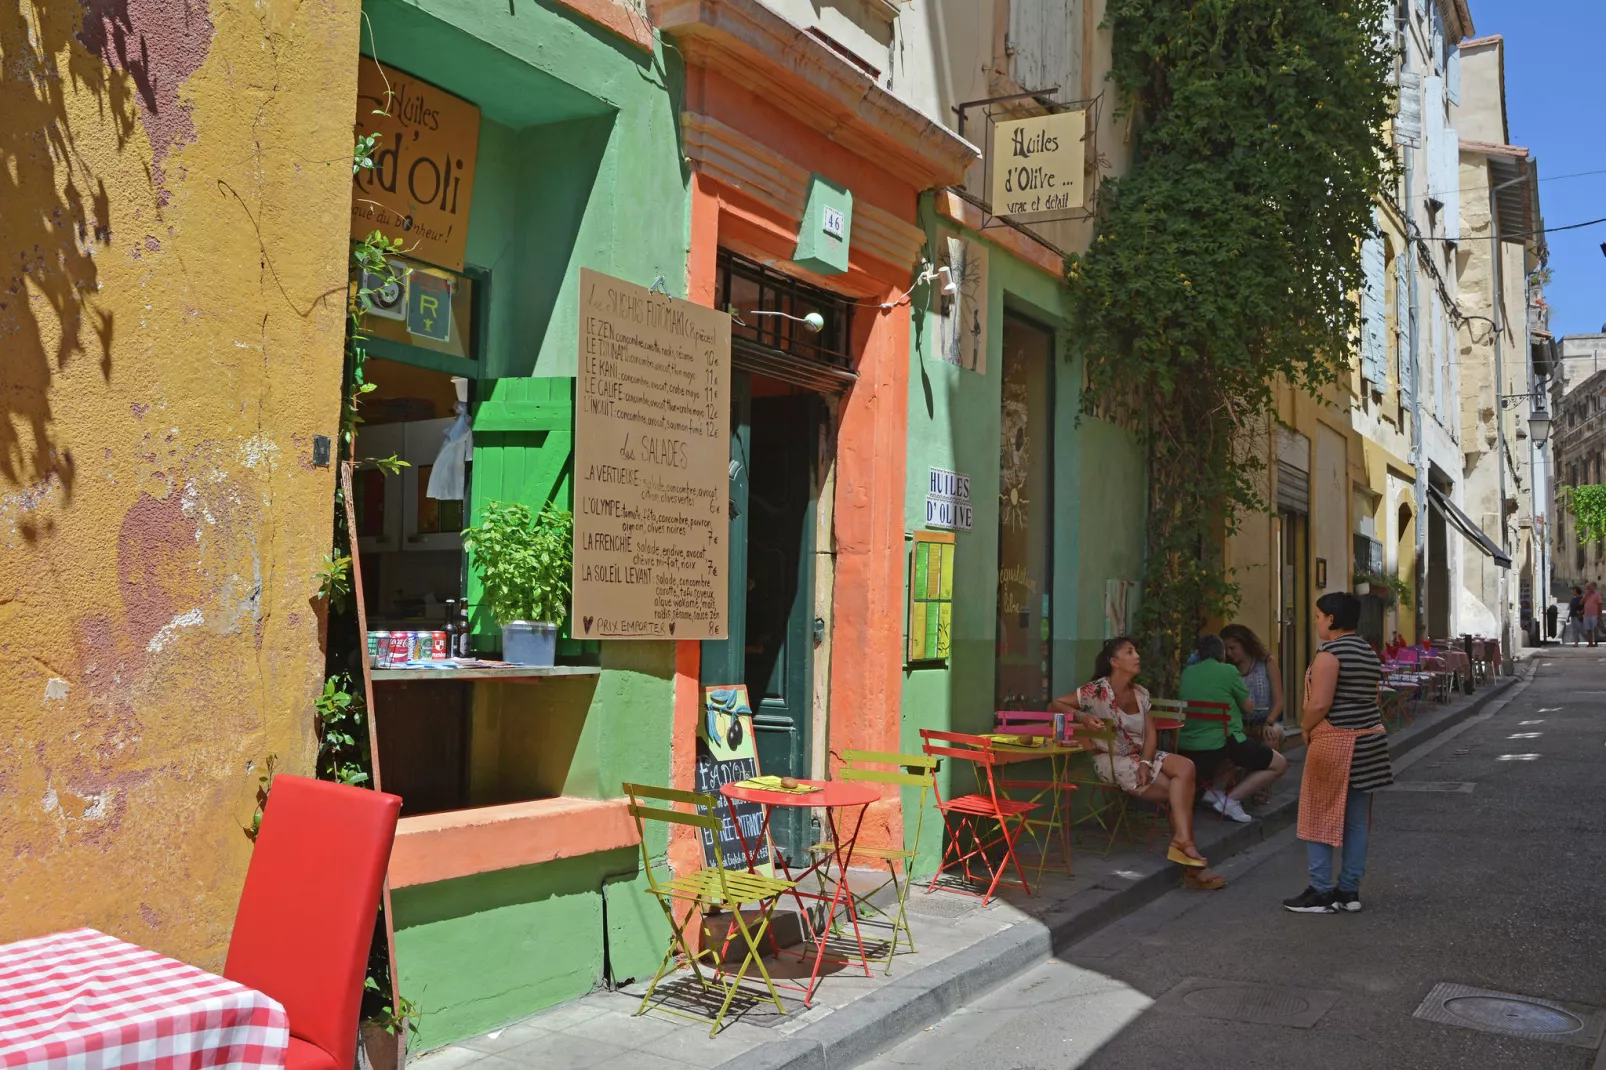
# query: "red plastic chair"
306, 916
980, 821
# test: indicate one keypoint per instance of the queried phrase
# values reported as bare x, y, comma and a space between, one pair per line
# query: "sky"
1555, 92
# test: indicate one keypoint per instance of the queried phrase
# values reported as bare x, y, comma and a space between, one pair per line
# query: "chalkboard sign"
726, 754
712, 774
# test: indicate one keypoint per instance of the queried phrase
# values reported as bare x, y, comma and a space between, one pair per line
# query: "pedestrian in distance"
1346, 757
1114, 701
1575, 614
1592, 613
1213, 747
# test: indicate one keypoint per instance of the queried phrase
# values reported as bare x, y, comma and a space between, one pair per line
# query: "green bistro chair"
910, 770
713, 886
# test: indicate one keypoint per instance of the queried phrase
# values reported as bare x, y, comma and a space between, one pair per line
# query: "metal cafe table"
830, 796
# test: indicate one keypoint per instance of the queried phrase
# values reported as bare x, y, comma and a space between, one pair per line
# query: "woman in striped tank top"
1347, 757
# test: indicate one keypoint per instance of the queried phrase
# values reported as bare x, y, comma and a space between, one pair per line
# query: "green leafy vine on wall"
1226, 260
1587, 503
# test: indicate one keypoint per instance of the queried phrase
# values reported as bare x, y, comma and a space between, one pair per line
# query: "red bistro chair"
306, 916
1219, 713
981, 820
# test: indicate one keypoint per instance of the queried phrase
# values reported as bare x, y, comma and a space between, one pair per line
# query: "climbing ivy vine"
1227, 259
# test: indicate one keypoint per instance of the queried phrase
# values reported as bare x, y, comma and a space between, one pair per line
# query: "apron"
1324, 787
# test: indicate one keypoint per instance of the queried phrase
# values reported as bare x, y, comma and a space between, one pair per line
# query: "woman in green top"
1210, 744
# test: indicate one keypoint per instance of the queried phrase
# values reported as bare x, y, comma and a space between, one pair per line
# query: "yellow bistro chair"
705, 888
860, 766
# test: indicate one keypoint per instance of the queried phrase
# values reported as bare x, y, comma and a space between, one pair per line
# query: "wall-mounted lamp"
949, 286
813, 321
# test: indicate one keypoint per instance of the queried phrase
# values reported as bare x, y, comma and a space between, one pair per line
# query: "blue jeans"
1357, 831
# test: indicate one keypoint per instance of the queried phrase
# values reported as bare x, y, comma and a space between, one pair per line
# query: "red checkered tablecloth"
83, 1000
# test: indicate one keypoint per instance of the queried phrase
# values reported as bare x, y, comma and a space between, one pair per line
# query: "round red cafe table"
833, 795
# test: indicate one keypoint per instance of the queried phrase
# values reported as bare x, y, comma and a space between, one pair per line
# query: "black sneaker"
1310, 901
1350, 901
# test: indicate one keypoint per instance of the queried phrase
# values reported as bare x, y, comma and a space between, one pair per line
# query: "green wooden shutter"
523, 452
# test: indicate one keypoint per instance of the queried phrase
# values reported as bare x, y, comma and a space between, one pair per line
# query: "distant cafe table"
82, 1000
830, 796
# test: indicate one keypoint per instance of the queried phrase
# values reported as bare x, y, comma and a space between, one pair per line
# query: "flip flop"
1177, 853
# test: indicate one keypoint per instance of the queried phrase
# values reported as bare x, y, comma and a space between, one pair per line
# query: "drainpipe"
1418, 462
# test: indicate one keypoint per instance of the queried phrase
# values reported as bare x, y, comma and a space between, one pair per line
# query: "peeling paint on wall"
156, 559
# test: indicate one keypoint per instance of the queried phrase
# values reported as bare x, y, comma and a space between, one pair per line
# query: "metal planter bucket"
529, 643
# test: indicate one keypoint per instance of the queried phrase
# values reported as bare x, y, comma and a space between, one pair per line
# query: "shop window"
1022, 678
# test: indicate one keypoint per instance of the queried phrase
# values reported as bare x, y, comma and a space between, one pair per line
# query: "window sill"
461, 843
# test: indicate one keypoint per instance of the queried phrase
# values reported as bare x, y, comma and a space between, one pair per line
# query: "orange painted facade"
767, 112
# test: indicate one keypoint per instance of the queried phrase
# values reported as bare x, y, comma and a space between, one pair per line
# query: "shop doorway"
783, 368
1296, 622
778, 665
1021, 673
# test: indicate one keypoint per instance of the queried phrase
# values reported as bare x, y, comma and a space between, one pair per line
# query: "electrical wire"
1546, 178
1525, 233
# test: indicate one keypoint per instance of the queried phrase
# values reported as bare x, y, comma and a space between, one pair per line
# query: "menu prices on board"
651, 465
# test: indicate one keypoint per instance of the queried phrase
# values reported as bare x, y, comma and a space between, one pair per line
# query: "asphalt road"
1497, 887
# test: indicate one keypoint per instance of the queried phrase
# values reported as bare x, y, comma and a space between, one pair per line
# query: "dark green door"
779, 639
771, 644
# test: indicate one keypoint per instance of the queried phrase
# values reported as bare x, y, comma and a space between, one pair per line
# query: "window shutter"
1045, 37
1408, 117
523, 452
1374, 366
1452, 73
1402, 282
1443, 158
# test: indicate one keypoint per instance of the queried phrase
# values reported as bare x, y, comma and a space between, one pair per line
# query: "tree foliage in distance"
1227, 259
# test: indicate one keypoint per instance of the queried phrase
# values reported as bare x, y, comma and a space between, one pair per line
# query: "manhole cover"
1514, 1015
1241, 1001
1462, 786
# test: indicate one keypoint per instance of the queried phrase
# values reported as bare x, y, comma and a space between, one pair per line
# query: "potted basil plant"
525, 562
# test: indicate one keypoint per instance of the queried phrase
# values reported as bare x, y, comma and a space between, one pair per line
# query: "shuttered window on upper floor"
1374, 361
1045, 45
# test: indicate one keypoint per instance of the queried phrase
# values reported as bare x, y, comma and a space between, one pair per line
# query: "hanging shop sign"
1037, 164
948, 500
421, 184
651, 465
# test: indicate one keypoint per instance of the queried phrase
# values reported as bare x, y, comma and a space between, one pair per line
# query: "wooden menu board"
651, 465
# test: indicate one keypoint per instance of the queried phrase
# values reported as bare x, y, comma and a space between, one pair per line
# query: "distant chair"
306, 917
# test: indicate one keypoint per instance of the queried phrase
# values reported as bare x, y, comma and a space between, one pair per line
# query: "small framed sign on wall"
1321, 573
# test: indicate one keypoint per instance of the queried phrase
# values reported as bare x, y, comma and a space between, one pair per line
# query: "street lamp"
1539, 427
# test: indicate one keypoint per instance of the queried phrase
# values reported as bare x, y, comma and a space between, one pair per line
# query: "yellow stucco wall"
174, 190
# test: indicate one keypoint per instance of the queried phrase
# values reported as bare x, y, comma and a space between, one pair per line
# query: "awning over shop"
1463, 523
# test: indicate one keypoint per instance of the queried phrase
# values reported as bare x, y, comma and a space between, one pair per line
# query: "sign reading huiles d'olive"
421, 184
1037, 164
651, 465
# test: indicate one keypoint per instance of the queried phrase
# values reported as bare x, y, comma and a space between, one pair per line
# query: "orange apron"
1324, 787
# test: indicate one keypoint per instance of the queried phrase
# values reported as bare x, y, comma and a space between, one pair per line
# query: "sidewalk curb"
870, 1025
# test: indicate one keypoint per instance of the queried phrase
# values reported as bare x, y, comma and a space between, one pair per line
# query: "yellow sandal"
1212, 883
1178, 853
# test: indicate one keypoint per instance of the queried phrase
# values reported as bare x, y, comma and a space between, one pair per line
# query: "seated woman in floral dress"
1113, 701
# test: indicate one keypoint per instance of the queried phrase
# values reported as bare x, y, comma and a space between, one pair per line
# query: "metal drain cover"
1513, 1015
1463, 786
1241, 1001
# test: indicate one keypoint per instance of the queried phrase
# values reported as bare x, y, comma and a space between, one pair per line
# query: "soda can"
421, 646
378, 649
401, 647
437, 646
1059, 728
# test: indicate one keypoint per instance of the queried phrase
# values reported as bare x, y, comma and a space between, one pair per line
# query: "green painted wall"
954, 423
481, 951
579, 164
